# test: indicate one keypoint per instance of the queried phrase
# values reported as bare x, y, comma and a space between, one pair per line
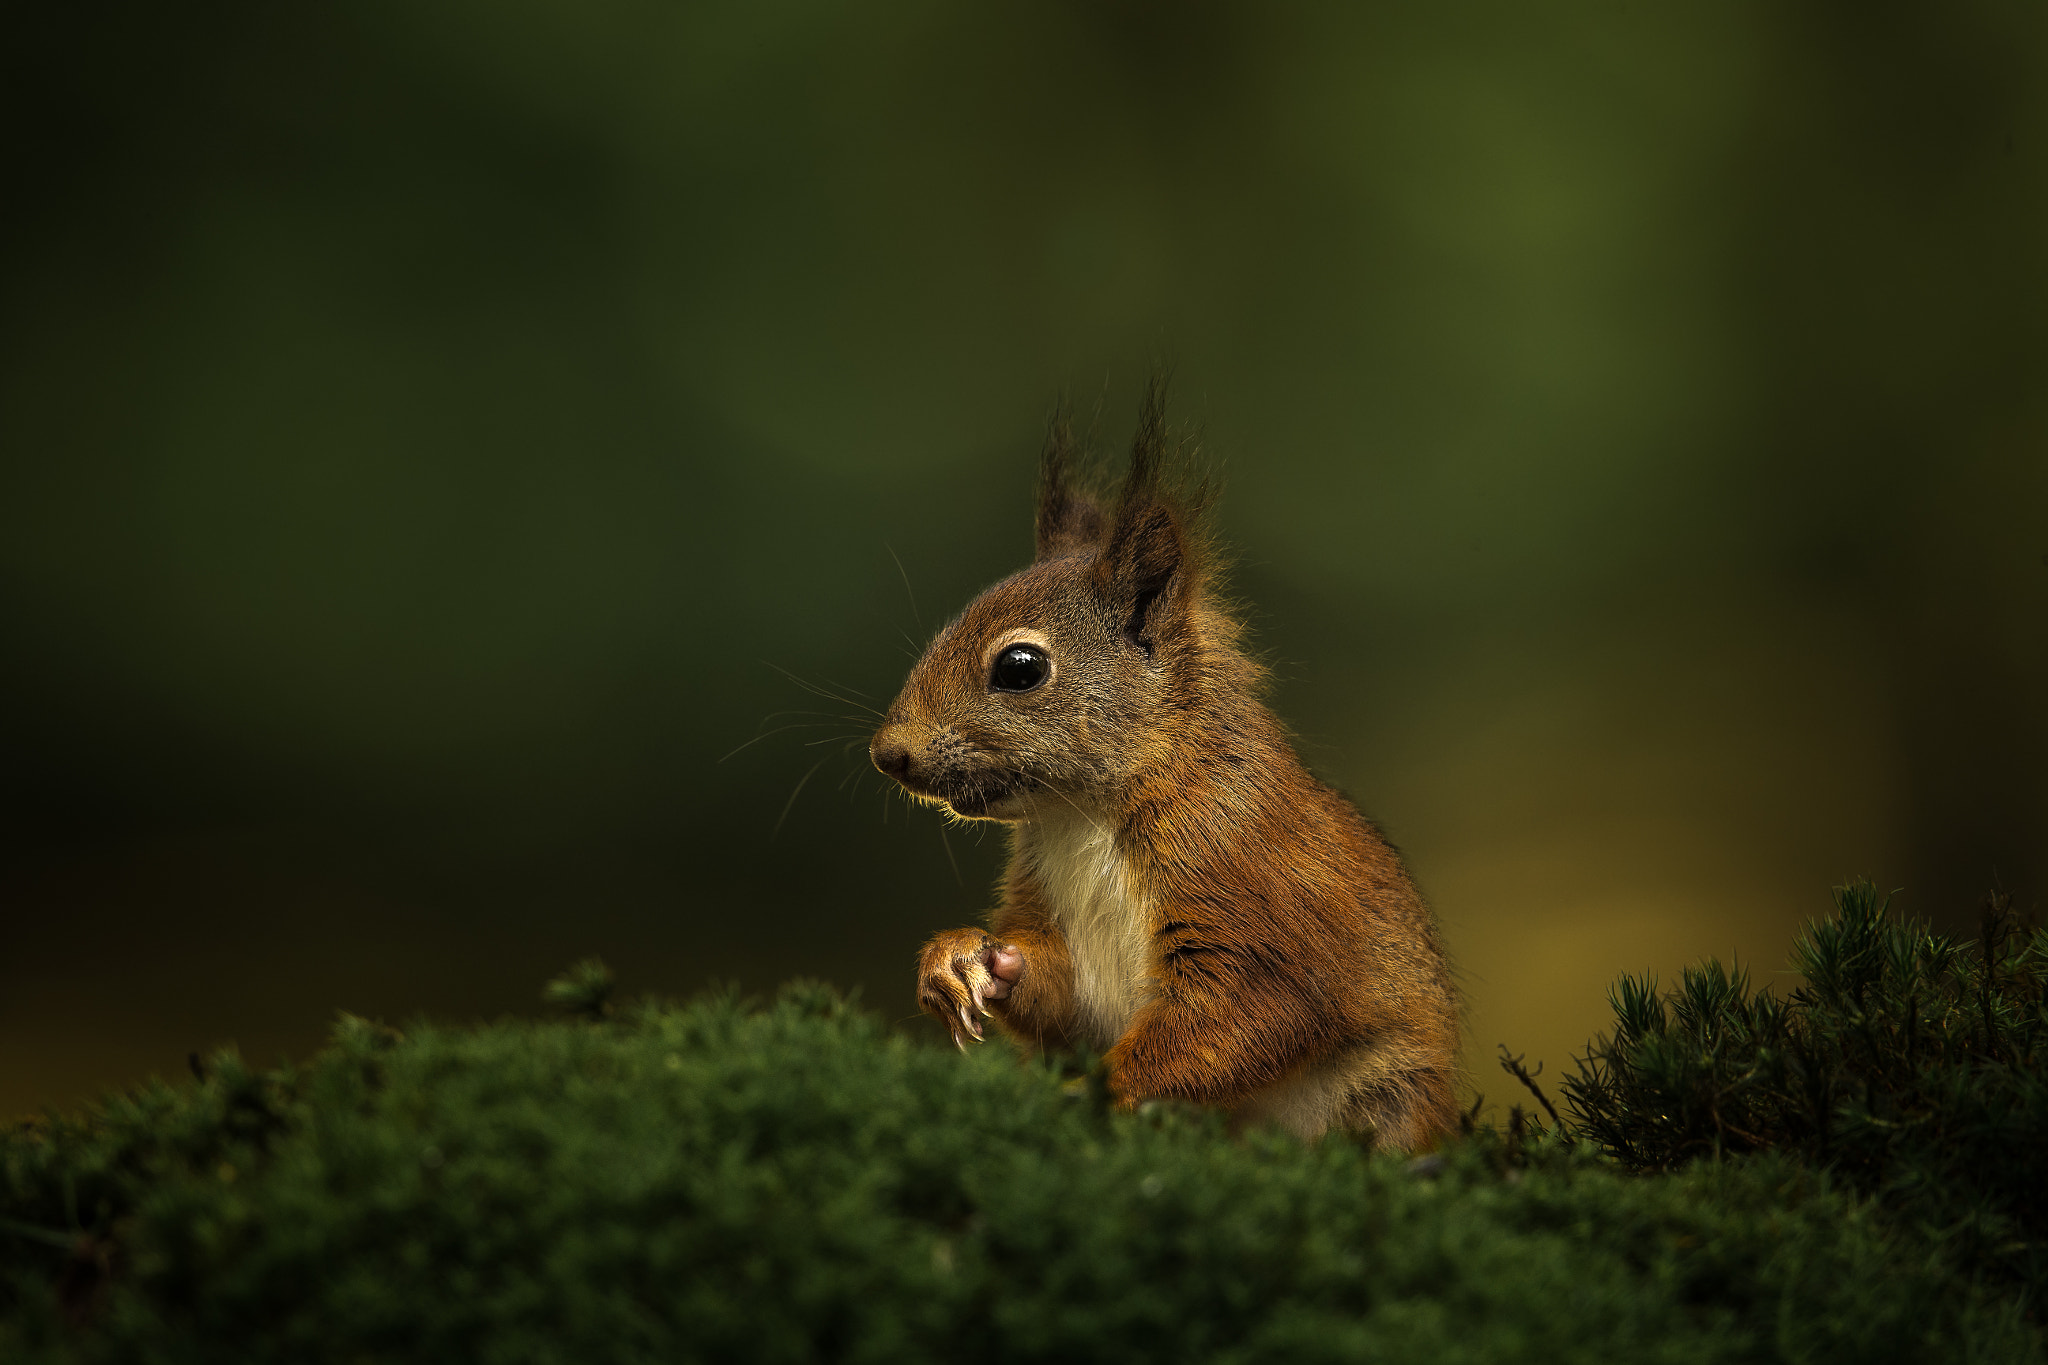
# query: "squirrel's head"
1061, 683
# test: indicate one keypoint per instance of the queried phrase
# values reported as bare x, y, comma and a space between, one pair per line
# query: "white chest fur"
1099, 907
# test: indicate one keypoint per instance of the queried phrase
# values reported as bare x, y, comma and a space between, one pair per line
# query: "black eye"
1019, 669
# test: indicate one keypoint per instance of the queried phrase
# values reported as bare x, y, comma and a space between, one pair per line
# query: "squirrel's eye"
1019, 669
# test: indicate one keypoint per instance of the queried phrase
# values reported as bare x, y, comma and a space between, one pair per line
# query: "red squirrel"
1181, 893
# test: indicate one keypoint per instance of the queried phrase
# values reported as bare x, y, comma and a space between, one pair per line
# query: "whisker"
906, 586
856, 772
817, 691
1097, 825
847, 687
799, 791
780, 729
947, 844
827, 715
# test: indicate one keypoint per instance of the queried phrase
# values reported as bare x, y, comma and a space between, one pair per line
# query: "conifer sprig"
1908, 1063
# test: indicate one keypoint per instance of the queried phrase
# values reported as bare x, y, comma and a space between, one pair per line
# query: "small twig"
1513, 1066
1468, 1121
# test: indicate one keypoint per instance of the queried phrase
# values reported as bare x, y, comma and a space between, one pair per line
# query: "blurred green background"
431, 430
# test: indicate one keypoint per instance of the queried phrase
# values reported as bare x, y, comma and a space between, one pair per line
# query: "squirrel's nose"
892, 758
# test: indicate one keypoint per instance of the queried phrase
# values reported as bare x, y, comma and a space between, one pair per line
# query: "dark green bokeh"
428, 430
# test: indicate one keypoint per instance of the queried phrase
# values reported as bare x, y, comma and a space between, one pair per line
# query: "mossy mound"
794, 1182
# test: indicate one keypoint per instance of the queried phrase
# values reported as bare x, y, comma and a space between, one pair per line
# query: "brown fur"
1181, 891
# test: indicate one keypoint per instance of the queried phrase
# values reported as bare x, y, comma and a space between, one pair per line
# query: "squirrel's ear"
1144, 561
1068, 520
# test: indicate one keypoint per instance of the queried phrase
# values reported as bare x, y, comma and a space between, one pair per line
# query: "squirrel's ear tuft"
1149, 560
1068, 520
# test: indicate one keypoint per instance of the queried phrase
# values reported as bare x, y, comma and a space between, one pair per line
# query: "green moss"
793, 1182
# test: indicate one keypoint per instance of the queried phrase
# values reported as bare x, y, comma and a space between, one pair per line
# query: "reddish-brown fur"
1181, 891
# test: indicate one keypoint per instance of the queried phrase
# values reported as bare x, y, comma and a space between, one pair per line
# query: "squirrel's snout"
892, 757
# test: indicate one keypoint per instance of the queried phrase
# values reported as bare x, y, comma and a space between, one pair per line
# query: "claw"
958, 1041
967, 1020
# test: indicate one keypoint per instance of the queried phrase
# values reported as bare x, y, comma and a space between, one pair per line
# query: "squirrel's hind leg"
1405, 1112
1405, 1106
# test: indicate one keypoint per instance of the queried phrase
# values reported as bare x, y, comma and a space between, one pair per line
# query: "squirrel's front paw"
959, 972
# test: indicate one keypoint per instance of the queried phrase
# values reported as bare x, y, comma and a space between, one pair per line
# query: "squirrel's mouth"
982, 796
984, 805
